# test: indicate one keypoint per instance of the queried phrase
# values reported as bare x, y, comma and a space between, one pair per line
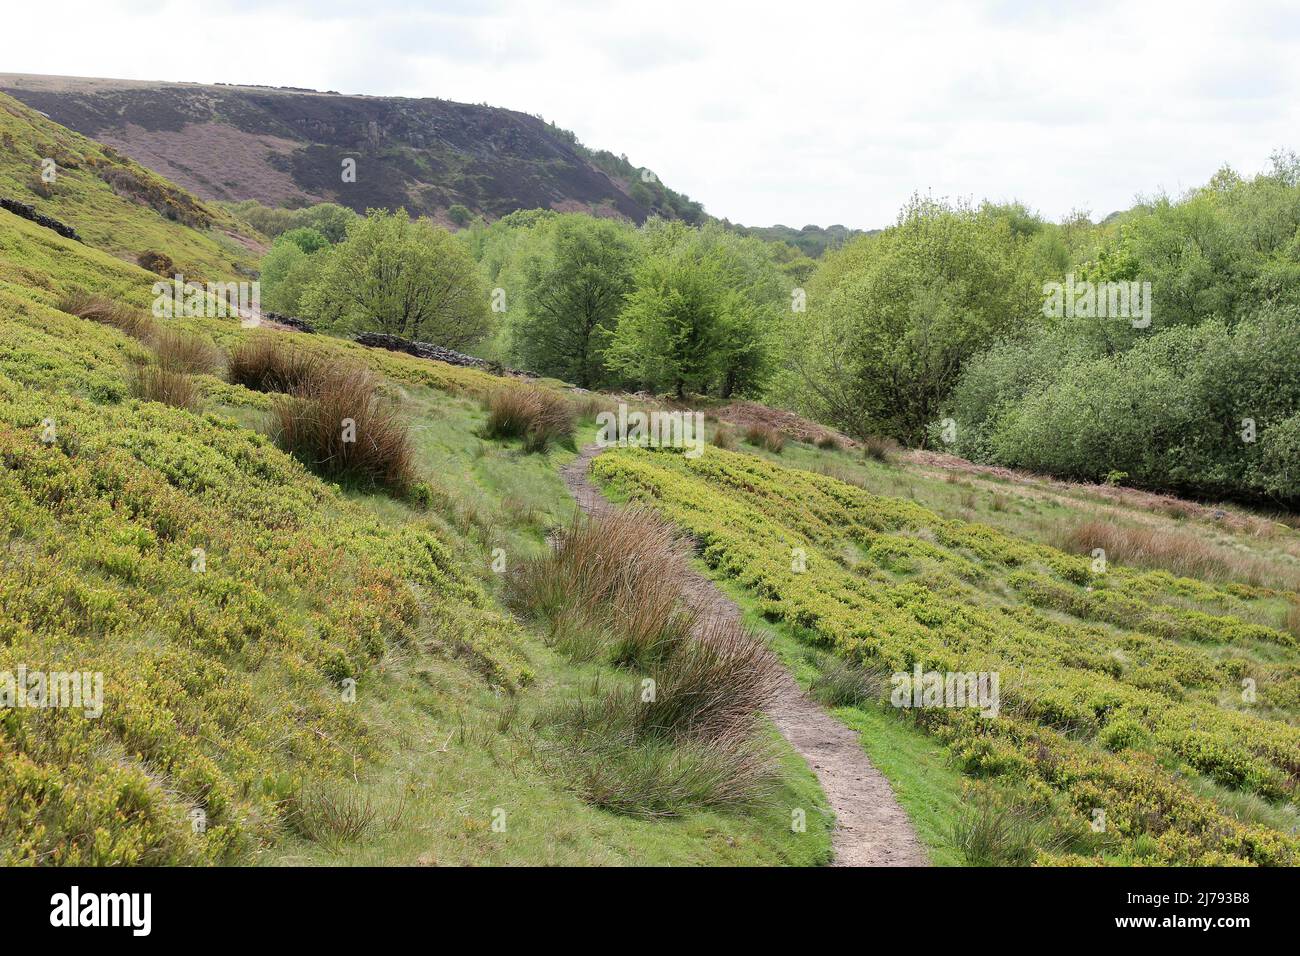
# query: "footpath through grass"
292, 671
1121, 689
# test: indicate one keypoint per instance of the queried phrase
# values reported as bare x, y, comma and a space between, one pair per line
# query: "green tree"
573, 280
892, 318
669, 333
287, 273
400, 276
460, 215
329, 219
307, 239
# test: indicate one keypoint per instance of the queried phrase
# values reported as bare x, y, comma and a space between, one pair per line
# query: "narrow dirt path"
871, 828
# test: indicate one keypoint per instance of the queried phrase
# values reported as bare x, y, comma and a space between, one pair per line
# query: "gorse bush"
266, 363
539, 417
340, 428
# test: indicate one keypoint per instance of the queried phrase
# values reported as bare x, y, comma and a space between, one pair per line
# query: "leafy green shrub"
1207, 409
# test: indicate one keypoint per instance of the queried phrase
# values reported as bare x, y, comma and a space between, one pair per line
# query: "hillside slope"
114, 203
291, 671
286, 147
1146, 717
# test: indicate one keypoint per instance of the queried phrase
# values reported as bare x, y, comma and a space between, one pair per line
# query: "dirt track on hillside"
871, 828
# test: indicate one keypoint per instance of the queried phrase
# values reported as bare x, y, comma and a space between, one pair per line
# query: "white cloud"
813, 112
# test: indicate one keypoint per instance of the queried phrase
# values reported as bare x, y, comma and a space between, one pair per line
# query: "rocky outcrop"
437, 353
289, 321
28, 211
286, 147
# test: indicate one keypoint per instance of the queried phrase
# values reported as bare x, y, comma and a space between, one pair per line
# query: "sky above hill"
808, 112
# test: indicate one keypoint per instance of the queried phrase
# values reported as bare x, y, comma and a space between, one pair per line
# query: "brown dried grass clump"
609, 587
878, 448
341, 429
1183, 554
265, 363
136, 323
154, 384
724, 438
186, 353
762, 436
538, 416
611, 590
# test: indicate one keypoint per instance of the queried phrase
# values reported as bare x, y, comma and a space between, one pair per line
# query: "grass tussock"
761, 436
344, 431
265, 363
1173, 551
995, 830
828, 442
539, 417
154, 384
607, 589
591, 405
879, 449
97, 308
841, 682
185, 353
684, 732
333, 815
724, 438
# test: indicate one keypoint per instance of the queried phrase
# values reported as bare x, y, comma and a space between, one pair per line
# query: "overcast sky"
796, 112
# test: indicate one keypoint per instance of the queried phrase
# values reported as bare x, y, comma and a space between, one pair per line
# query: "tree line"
932, 332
